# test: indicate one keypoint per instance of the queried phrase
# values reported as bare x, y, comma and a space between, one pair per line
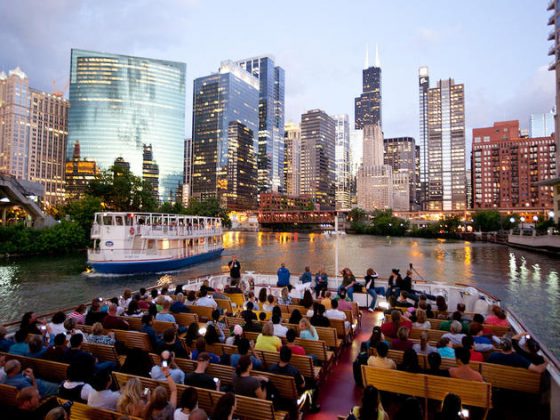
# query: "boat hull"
152, 266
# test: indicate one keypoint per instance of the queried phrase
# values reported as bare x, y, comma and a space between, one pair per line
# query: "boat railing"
113, 254
165, 230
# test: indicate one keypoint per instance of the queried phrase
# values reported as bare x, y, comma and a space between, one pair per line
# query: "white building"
343, 162
292, 158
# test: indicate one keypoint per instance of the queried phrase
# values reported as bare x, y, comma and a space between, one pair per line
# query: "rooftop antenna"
377, 60
366, 61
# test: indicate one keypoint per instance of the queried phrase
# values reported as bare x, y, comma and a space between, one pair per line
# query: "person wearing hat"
199, 378
508, 357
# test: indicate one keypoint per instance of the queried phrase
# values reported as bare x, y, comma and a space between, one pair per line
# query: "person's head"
403, 333
20, 336
101, 380
127, 294
60, 340
276, 318
334, 304
270, 299
376, 336
133, 307
451, 406
410, 361
164, 290
295, 317
457, 316
70, 324
478, 318
532, 345
285, 354
191, 296
467, 341
282, 265
268, 329
277, 312
395, 316
158, 400
463, 355
499, 312
262, 295
202, 361
421, 316
304, 324
291, 335
404, 295
382, 349
35, 343
475, 329
192, 330
307, 301
244, 364
211, 335
58, 318
307, 269
76, 341
370, 271
434, 360
178, 289
506, 345
154, 293
455, 327
57, 413
80, 309
142, 291
395, 271
216, 315
461, 307
320, 309
147, 319
440, 303
131, 393
200, 344
243, 346
189, 399
262, 316
12, 367
250, 306
169, 335
112, 309
97, 329
342, 293
424, 337
285, 292
28, 398
443, 342
203, 292
370, 403
225, 407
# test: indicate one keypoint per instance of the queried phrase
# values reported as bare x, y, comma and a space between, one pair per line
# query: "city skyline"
433, 40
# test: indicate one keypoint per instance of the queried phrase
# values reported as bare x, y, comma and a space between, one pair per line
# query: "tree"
208, 208
487, 220
82, 212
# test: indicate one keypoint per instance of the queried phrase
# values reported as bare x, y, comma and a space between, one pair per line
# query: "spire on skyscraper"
377, 60
366, 61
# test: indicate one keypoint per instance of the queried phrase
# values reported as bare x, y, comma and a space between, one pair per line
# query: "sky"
497, 48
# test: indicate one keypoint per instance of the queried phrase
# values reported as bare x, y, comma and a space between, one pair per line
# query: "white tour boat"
127, 243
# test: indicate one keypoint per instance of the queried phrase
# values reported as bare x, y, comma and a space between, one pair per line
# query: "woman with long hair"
131, 401
211, 336
307, 331
192, 334
424, 346
451, 408
422, 322
225, 407
162, 403
371, 408
262, 297
295, 317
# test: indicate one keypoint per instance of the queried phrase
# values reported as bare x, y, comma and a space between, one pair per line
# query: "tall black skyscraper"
367, 107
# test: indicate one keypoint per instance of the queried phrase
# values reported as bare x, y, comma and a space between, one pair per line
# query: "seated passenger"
468, 343
112, 321
266, 341
36, 348
283, 367
199, 378
371, 407
463, 369
246, 384
97, 336
456, 316
179, 307
59, 350
164, 314
410, 362
307, 331
455, 335
279, 329
172, 343
445, 348
335, 313
381, 360
497, 318
402, 342
424, 346
244, 349
20, 347
22, 379
290, 339
391, 327
285, 298
201, 348
421, 322
434, 365
508, 357
167, 361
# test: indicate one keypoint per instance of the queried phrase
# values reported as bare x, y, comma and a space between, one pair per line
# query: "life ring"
131, 231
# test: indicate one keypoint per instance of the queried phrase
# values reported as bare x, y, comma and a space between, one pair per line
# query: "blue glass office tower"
120, 103
220, 99
270, 157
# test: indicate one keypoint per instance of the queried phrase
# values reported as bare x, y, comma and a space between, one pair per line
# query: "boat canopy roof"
131, 218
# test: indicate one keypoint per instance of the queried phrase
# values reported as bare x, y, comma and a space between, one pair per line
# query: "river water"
525, 281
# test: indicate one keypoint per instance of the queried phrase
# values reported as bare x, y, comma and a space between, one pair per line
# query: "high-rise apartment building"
343, 162
33, 135
541, 125
120, 103
554, 51
230, 95
292, 159
150, 170
367, 107
446, 145
506, 167
318, 166
79, 173
270, 157
400, 154
423, 87
187, 175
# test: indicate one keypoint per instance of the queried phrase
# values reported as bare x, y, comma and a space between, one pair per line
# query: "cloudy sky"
497, 48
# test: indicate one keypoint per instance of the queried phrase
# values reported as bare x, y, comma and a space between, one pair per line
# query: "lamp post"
522, 219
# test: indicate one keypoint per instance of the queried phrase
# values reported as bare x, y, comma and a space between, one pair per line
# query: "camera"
164, 363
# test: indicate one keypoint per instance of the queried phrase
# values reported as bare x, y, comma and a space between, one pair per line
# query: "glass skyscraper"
231, 95
541, 125
120, 103
270, 157
367, 107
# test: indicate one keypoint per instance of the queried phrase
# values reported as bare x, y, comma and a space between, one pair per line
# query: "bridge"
303, 217
19, 193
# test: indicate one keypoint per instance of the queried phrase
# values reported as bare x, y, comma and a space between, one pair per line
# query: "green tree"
208, 208
487, 220
82, 212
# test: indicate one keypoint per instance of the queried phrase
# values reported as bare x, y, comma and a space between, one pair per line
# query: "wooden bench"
204, 312
303, 363
472, 393
319, 349
236, 298
134, 339
225, 304
161, 326
44, 369
231, 321
186, 319
330, 337
341, 331
512, 378
8, 395
134, 322
80, 411
300, 308
433, 335
103, 352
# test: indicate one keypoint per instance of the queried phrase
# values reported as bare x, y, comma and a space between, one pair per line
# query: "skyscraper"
79, 173
343, 163
318, 166
270, 158
119, 103
150, 170
541, 125
231, 95
292, 159
187, 177
367, 107
423, 86
33, 134
554, 35
400, 154
446, 145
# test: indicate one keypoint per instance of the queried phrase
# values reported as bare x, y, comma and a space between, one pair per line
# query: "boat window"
151, 244
98, 219
119, 221
129, 220
108, 220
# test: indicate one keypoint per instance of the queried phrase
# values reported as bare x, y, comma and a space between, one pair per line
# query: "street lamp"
512, 220
535, 218
551, 214
522, 219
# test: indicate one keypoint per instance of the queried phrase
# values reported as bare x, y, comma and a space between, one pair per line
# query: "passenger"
78, 314
402, 300
167, 358
234, 271
246, 384
285, 298
434, 365
74, 388
290, 339
526, 346
269, 304
211, 337
172, 344
205, 299
70, 326
455, 335
283, 367
394, 282
248, 313
482, 343
147, 327
101, 396
36, 349
199, 378
56, 326
131, 402
451, 408
321, 282
244, 349
20, 346
97, 336
237, 335
423, 304
284, 277
200, 348
22, 379
445, 348
441, 307
456, 316
508, 357
468, 343
162, 402
306, 277
381, 360
307, 303
390, 328
497, 318
410, 362
307, 331
279, 329
370, 278
422, 322
5, 343
187, 405
348, 282
138, 362
424, 346
461, 308
179, 307
266, 341
295, 317
218, 325
319, 319
191, 298
463, 369
326, 299
58, 351
219, 293
252, 300
335, 313
225, 407
262, 298
344, 302
30, 324
402, 342
112, 321
411, 409
370, 408
376, 338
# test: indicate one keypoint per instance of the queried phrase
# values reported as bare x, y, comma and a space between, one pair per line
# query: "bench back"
433, 335
186, 319
8, 395
338, 325
134, 339
161, 326
477, 394
44, 369
303, 363
329, 336
204, 312
236, 298
316, 347
300, 308
134, 322
103, 352
394, 381
507, 377
80, 411
225, 304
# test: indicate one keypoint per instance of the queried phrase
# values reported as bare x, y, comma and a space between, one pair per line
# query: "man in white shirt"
454, 334
205, 300
335, 313
101, 396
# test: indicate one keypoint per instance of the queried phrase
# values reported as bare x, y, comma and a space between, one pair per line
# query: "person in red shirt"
402, 342
290, 338
112, 321
468, 343
391, 327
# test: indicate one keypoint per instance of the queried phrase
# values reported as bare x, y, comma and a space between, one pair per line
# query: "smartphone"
100, 299
465, 413
216, 380
43, 328
527, 337
146, 391
164, 363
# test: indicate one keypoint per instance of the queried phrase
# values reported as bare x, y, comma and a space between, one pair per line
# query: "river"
525, 281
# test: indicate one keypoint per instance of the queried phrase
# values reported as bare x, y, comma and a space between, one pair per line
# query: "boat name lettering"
109, 243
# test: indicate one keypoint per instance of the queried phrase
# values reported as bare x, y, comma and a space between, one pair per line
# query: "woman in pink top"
498, 317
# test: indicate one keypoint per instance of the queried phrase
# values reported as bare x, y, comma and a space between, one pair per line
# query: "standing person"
373, 291
348, 282
284, 277
306, 277
321, 282
234, 271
